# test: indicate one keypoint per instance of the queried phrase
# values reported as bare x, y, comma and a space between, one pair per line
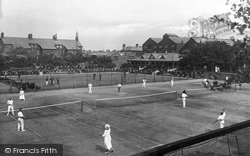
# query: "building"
165, 60
40, 46
126, 53
197, 40
170, 43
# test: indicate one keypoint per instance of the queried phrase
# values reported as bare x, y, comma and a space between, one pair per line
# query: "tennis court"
55, 117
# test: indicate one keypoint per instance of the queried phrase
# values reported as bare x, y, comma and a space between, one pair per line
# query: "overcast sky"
103, 24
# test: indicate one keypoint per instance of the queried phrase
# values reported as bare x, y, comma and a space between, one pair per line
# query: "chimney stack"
2, 35
137, 45
55, 37
123, 46
30, 36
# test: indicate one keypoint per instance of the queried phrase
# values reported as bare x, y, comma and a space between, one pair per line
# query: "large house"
40, 46
170, 43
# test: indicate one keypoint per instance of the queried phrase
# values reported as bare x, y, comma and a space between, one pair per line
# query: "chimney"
2, 35
30, 36
137, 45
55, 37
123, 46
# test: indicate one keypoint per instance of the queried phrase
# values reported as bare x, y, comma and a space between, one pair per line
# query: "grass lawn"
134, 127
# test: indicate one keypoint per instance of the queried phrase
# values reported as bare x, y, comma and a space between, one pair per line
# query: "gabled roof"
156, 40
44, 43
158, 57
179, 39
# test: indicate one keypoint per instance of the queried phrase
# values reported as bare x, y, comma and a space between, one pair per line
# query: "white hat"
107, 126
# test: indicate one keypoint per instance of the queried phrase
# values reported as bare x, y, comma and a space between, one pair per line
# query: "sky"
104, 24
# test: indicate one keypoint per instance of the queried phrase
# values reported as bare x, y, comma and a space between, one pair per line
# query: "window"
149, 46
155, 46
160, 46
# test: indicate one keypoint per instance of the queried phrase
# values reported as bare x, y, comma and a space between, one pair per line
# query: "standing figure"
100, 76
107, 139
20, 124
90, 88
10, 106
172, 81
58, 79
94, 76
47, 80
184, 96
221, 118
21, 97
143, 83
119, 87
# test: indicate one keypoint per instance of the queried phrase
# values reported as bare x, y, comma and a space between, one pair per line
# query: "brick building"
40, 46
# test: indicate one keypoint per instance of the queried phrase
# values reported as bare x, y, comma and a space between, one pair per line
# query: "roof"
171, 35
156, 40
179, 39
44, 43
132, 48
166, 57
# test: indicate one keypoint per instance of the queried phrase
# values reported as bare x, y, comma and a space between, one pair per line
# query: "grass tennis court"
134, 127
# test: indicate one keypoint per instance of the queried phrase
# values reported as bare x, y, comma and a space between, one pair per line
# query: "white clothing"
119, 85
90, 88
20, 121
172, 82
22, 97
184, 99
143, 83
10, 107
107, 139
221, 118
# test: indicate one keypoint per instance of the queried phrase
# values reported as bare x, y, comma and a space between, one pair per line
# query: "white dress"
107, 139
221, 118
22, 97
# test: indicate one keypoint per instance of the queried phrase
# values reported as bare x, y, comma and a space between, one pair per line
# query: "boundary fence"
233, 140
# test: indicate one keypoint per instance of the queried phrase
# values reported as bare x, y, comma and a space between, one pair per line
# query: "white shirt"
184, 96
143, 81
222, 117
90, 85
10, 102
20, 114
119, 85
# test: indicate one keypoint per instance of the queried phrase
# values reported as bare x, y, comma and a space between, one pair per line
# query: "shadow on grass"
100, 148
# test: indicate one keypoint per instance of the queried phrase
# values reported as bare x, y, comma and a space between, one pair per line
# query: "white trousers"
20, 124
10, 107
90, 90
222, 124
143, 85
184, 102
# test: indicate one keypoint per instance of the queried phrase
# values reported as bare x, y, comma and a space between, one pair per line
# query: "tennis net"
47, 109
135, 100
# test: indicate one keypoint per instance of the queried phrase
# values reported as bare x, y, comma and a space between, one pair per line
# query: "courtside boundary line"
30, 129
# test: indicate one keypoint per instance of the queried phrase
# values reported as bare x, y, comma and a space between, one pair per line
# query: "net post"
81, 106
95, 104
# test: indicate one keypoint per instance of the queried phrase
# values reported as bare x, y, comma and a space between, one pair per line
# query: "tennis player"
107, 139
90, 88
221, 118
20, 120
119, 87
172, 82
184, 96
22, 97
144, 83
10, 106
